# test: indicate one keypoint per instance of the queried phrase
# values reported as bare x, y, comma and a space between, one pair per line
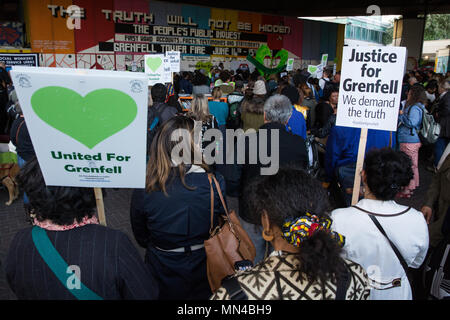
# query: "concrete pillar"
409, 33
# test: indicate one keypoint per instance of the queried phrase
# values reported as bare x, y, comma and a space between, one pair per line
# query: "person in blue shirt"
296, 123
218, 108
342, 152
410, 122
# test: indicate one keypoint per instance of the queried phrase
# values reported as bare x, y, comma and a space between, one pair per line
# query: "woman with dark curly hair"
306, 263
67, 254
410, 122
386, 172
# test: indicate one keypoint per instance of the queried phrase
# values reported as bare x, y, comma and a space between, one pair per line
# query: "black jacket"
180, 219
109, 265
292, 152
443, 112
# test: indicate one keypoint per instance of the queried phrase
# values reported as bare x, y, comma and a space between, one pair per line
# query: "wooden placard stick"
359, 165
100, 206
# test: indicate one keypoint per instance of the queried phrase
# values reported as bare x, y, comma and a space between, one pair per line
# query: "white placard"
167, 75
324, 60
174, 60
370, 87
319, 72
290, 64
156, 69
88, 127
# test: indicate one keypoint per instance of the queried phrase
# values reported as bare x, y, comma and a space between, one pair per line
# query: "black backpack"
234, 114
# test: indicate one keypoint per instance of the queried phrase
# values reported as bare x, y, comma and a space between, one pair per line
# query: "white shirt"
322, 82
430, 96
366, 245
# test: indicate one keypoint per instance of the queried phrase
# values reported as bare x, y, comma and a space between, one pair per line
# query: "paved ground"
117, 203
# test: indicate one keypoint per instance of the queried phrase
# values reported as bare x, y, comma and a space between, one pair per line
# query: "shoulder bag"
228, 243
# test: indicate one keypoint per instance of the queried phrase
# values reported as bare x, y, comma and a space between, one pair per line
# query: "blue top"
409, 123
297, 123
343, 144
219, 110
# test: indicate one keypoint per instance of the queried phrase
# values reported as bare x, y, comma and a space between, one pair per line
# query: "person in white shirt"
385, 173
326, 77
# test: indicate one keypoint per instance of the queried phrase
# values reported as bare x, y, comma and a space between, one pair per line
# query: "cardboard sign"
290, 64
156, 69
174, 60
370, 87
88, 127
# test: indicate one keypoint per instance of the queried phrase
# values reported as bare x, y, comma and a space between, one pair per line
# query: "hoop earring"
266, 236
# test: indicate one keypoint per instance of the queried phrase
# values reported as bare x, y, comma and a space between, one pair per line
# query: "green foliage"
437, 27
388, 35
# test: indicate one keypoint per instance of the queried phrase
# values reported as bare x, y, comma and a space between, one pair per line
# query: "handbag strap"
57, 264
382, 215
212, 202
211, 178
219, 191
396, 251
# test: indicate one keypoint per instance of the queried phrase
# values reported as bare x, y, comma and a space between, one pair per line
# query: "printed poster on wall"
88, 127
370, 87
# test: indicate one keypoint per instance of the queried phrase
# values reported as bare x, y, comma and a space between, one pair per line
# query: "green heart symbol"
154, 63
264, 53
312, 69
90, 119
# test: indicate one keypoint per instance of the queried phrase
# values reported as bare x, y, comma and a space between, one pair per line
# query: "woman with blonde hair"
171, 217
200, 112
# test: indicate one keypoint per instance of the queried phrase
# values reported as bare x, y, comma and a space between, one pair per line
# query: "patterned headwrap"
297, 230
170, 90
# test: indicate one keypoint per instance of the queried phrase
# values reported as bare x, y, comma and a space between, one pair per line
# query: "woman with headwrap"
306, 263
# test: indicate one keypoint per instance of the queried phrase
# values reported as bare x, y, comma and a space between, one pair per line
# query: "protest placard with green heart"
155, 69
88, 127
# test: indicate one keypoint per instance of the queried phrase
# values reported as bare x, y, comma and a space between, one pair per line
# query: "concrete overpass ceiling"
407, 8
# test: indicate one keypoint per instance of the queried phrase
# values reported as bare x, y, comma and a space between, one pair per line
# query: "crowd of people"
310, 242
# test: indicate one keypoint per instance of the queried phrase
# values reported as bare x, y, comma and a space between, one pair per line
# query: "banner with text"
370, 87
82, 123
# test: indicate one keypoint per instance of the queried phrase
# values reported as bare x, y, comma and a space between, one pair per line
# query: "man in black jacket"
265, 151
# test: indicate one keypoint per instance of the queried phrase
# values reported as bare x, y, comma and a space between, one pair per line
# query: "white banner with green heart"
157, 69
88, 127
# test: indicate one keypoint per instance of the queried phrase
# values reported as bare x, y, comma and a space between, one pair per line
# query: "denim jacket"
410, 123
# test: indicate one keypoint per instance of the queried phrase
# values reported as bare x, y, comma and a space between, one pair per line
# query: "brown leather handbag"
228, 243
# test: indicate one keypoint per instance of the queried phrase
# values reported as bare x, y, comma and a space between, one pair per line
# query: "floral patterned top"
276, 278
